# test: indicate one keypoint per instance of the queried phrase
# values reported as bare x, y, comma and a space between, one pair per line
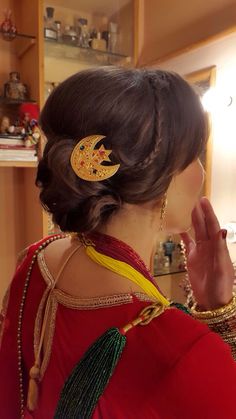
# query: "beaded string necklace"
120, 258
20, 317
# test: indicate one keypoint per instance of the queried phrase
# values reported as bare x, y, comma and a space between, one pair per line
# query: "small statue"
5, 125
29, 113
169, 247
33, 134
14, 89
8, 29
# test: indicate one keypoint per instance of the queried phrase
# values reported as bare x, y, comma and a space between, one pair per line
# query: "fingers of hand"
199, 224
188, 242
222, 254
211, 221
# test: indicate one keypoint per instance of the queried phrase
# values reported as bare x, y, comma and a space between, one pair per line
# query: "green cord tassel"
181, 307
90, 377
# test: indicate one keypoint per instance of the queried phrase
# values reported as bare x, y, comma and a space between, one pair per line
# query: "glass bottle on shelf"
161, 262
84, 35
70, 35
59, 30
112, 40
50, 30
93, 35
98, 43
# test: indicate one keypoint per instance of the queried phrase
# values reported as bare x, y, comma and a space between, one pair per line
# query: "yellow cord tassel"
32, 399
123, 269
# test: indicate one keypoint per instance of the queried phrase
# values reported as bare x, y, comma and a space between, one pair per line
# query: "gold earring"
163, 210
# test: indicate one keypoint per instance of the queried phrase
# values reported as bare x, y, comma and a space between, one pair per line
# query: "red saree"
173, 368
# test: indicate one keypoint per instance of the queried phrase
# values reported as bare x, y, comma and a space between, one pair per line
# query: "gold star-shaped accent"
101, 154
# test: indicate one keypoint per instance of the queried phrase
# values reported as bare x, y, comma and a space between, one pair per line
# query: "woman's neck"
136, 226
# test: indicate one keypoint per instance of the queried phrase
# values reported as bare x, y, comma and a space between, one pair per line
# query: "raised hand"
210, 269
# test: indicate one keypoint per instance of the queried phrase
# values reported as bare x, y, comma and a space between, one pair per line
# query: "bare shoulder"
57, 252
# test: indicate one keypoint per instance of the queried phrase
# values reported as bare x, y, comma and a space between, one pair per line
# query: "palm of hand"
209, 265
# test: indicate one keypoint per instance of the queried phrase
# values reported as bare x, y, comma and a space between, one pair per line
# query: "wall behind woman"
222, 54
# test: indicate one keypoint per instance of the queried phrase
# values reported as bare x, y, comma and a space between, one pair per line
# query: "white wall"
221, 53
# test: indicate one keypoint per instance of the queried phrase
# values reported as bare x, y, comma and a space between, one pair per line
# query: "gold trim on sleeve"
50, 328
46, 274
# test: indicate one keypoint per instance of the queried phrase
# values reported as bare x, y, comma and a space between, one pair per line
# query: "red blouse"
173, 368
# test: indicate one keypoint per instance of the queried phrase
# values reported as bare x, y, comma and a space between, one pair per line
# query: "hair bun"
88, 215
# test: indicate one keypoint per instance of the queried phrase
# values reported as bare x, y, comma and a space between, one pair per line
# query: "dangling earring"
163, 211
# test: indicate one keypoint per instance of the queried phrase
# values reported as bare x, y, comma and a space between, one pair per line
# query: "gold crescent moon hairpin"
86, 160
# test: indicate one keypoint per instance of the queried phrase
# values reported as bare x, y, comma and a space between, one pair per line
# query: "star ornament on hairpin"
86, 160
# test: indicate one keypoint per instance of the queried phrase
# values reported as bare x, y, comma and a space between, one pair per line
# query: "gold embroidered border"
39, 319
50, 334
87, 303
50, 328
143, 297
46, 274
56, 297
91, 303
97, 302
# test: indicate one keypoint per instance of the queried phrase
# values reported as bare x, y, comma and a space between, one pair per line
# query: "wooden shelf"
24, 45
7, 101
22, 42
169, 272
17, 35
90, 56
12, 163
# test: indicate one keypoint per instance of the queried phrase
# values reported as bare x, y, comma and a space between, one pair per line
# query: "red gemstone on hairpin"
82, 163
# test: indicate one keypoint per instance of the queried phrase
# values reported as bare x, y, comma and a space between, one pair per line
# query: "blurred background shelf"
19, 43
18, 163
6, 101
169, 272
16, 36
89, 56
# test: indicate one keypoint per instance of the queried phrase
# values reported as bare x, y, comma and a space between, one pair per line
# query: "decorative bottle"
99, 43
50, 30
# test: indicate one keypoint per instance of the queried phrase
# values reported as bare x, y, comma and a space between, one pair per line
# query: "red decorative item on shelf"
8, 29
29, 111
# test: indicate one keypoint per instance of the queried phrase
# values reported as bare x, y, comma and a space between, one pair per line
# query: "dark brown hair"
153, 122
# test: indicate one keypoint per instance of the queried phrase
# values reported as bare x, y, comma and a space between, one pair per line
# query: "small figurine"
8, 29
5, 125
169, 247
14, 89
29, 113
33, 134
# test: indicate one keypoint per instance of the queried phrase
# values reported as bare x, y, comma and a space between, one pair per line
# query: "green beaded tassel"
181, 307
90, 377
